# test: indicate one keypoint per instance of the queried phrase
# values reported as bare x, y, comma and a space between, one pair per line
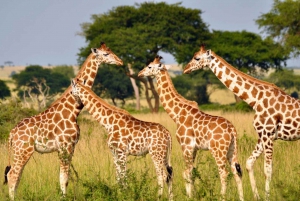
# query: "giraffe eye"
197, 59
149, 67
106, 54
159, 65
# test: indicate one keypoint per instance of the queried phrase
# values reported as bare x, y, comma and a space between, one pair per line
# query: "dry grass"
93, 161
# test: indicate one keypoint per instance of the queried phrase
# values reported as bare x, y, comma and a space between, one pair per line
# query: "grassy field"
96, 173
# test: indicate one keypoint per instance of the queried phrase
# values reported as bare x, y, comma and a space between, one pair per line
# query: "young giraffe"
197, 130
129, 136
277, 115
55, 129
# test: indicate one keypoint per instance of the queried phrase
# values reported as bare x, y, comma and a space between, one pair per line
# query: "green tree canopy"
111, 83
143, 30
194, 86
138, 33
39, 84
283, 23
56, 81
4, 90
65, 70
245, 50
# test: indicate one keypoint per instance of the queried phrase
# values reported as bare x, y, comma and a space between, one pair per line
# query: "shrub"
11, 112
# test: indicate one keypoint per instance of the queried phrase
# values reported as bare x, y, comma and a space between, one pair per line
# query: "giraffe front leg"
65, 161
120, 164
249, 166
189, 156
268, 155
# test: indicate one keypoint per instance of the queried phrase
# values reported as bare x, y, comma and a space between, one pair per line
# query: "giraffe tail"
8, 167
238, 169
237, 165
169, 167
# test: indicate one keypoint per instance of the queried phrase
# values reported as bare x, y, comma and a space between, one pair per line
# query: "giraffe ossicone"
129, 136
197, 130
54, 129
277, 115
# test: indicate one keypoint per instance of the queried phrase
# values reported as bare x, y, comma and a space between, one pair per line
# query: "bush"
11, 112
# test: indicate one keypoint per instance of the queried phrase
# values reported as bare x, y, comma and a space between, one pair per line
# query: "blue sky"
46, 32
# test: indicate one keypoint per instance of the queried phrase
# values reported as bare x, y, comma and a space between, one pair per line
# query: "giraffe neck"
103, 112
244, 86
171, 100
87, 72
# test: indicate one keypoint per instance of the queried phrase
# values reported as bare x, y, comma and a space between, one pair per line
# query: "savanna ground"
93, 172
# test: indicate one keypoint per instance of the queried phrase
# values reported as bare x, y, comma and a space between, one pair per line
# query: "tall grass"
93, 172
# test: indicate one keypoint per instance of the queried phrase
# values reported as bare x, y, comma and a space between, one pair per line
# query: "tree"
194, 86
283, 23
39, 84
143, 31
65, 70
245, 50
4, 90
113, 85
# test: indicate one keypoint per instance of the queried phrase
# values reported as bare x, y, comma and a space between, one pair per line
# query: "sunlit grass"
96, 173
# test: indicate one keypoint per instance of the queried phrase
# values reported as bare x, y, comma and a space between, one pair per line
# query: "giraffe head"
76, 85
104, 55
153, 68
201, 59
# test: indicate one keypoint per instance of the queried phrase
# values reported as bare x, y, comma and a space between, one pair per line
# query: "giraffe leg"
235, 168
221, 163
15, 173
65, 161
268, 155
189, 157
120, 164
164, 171
249, 166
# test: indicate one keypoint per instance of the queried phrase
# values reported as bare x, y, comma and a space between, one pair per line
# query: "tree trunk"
148, 98
135, 88
155, 94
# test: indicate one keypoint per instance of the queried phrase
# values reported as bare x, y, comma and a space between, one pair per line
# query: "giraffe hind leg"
249, 165
235, 168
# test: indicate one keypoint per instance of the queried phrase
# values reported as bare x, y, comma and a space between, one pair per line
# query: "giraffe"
54, 129
129, 136
277, 115
197, 130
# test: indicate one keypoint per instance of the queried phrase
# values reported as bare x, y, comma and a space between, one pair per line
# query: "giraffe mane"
103, 102
248, 77
182, 99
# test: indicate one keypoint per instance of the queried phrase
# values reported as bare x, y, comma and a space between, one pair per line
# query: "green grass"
96, 173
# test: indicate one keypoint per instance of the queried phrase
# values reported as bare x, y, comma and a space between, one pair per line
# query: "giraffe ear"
208, 52
94, 50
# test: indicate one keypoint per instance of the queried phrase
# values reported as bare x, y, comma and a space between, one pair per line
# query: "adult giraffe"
197, 130
129, 136
277, 115
55, 129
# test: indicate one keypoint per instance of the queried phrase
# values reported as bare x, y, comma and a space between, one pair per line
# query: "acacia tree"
39, 84
283, 23
113, 85
245, 50
138, 33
